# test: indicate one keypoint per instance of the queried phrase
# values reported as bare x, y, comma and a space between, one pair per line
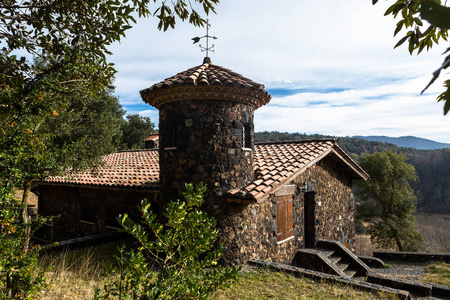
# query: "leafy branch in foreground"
182, 254
412, 13
19, 275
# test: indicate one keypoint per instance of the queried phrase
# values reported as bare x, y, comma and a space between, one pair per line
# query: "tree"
388, 202
134, 130
182, 253
412, 13
53, 51
84, 130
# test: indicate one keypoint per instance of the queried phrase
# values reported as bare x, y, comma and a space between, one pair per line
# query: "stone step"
342, 266
359, 278
351, 272
326, 252
335, 258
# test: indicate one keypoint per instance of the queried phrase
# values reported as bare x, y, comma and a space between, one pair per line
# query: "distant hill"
407, 142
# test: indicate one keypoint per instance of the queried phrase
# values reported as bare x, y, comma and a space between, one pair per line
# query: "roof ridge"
331, 139
135, 150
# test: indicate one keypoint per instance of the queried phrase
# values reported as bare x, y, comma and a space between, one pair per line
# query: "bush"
182, 251
19, 275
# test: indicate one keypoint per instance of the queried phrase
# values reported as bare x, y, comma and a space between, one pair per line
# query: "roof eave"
351, 164
265, 197
294, 176
109, 187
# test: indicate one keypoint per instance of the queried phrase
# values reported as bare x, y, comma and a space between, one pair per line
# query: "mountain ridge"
407, 142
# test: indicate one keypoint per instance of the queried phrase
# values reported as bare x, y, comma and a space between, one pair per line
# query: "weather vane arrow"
207, 36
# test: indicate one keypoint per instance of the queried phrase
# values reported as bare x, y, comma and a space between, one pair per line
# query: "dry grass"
363, 245
434, 228
32, 200
77, 274
439, 273
274, 285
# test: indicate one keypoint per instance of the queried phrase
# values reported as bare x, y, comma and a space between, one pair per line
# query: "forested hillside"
432, 166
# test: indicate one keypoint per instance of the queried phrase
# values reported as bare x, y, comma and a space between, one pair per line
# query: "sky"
329, 65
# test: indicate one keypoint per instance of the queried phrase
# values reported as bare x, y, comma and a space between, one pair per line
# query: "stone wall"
207, 141
334, 201
85, 211
249, 230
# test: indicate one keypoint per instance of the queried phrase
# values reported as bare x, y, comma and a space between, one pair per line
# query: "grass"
438, 273
76, 274
263, 284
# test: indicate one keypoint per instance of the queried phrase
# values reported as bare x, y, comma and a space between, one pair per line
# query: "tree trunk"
397, 239
24, 215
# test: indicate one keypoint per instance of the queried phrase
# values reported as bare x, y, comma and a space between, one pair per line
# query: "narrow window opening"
238, 133
247, 136
172, 138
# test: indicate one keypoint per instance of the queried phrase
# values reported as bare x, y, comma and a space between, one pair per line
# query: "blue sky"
329, 66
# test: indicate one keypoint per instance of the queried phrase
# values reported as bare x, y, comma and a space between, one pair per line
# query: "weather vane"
207, 36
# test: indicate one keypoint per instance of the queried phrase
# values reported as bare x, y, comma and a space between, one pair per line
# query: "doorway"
310, 220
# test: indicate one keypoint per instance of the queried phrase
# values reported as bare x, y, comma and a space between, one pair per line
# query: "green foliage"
411, 14
19, 275
388, 202
134, 130
84, 129
182, 253
275, 136
68, 42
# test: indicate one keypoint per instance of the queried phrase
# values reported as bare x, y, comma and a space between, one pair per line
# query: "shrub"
182, 251
19, 275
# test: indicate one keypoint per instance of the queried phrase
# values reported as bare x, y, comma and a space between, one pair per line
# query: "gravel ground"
406, 270
403, 270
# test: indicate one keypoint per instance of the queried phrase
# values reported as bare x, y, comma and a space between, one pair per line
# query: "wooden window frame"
284, 217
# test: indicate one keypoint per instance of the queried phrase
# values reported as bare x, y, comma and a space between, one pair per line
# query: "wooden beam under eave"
244, 201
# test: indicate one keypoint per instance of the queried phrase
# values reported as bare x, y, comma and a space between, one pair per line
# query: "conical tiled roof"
207, 81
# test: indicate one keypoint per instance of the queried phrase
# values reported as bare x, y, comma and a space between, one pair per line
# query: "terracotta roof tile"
207, 81
135, 169
282, 160
152, 137
140, 169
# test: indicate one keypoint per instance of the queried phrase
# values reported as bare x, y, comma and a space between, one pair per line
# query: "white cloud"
316, 45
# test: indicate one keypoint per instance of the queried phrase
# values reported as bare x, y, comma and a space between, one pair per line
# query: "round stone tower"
206, 131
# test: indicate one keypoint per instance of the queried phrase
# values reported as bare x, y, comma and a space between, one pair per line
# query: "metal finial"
207, 36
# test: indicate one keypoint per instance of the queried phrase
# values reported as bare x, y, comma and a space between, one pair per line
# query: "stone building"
152, 142
269, 199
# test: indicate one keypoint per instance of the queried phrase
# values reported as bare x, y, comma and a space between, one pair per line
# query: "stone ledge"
409, 285
412, 256
362, 285
371, 261
440, 290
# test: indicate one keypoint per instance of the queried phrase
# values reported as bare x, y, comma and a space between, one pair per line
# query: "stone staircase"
334, 258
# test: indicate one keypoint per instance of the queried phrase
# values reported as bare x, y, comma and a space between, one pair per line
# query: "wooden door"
310, 220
